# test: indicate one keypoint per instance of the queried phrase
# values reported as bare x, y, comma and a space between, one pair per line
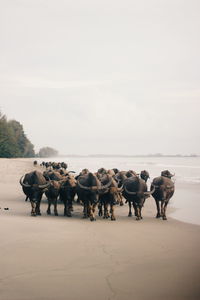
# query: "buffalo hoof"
69, 215
121, 203
92, 219
158, 216
100, 214
56, 214
48, 212
130, 215
113, 219
33, 214
164, 218
138, 219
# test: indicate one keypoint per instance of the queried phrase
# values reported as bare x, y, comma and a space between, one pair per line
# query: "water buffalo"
63, 165
34, 185
52, 194
144, 175
163, 190
88, 186
108, 197
67, 194
167, 173
135, 192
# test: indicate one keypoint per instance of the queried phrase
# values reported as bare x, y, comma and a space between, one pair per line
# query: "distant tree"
47, 152
25, 147
13, 141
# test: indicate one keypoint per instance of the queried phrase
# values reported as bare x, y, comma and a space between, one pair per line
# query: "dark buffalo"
34, 185
108, 197
167, 173
67, 194
52, 175
88, 187
135, 192
144, 175
52, 194
163, 190
63, 165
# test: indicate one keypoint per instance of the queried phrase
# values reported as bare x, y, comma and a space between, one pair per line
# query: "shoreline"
49, 257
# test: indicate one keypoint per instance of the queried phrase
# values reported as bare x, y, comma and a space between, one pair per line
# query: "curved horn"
24, 184
150, 192
129, 192
43, 186
82, 186
107, 185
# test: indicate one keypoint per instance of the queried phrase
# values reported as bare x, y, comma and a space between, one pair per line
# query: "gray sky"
90, 76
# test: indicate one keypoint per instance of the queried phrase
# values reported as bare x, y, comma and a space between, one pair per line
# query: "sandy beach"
48, 257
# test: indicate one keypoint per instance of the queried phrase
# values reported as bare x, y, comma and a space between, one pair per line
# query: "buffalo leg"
121, 203
130, 212
49, 207
106, 215
33, 213
158, 209
112, 213
68, 209
164, 210
85, 210
92, 212
135, 209
100, 209
139, 213
37, 208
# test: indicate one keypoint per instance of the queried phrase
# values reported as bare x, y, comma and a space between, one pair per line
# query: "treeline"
13, 141
47, 152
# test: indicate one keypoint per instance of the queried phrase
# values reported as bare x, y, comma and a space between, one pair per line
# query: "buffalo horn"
43, 186
24, 184
83, 187
150, 192
129, 192
107, 185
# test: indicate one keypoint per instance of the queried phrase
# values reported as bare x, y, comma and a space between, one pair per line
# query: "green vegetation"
47, 152
13, 141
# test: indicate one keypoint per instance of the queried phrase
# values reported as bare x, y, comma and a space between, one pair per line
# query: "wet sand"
48, 257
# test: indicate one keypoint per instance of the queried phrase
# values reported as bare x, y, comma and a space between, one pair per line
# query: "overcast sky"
109, 76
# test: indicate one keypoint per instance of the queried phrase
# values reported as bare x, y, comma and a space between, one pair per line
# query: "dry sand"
48, 257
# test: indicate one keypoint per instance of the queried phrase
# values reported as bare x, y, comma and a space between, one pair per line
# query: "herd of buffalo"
103, 189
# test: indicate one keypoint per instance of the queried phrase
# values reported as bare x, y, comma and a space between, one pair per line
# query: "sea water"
186, 199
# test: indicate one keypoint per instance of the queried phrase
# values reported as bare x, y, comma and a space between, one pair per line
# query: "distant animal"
35, 163
34, 185
135, 192
167, 173
163, 191
63, 165
144, 175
